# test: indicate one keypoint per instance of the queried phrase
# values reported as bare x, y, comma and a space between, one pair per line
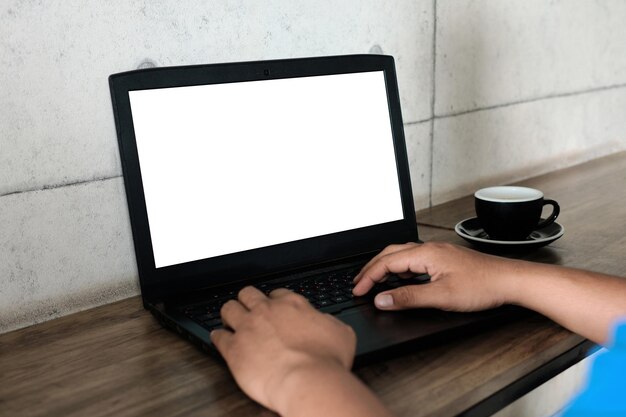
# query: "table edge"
522, 386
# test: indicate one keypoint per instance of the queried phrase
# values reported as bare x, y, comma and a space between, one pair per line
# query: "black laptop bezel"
248, 266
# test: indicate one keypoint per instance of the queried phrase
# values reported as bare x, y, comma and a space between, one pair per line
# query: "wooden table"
116, 360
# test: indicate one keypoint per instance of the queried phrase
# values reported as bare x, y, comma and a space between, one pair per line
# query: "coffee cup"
511, 212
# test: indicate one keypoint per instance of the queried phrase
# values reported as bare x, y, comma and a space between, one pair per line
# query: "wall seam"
60, 185
432, 106
417, 122
533, 100
518, 102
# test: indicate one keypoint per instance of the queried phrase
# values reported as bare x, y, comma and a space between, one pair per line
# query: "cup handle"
555, 213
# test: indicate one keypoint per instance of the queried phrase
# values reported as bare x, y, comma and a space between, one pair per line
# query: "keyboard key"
323, 303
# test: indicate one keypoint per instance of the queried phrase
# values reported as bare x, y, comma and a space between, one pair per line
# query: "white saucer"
470, 230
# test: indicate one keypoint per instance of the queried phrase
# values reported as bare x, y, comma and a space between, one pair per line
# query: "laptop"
286, 173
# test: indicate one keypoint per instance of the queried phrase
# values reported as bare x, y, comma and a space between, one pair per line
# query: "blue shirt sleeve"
605, 394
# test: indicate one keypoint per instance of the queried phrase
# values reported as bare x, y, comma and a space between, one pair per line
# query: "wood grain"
116, 360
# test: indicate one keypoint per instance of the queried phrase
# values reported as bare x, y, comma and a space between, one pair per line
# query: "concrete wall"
492, 91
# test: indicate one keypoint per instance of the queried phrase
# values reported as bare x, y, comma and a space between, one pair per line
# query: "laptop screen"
237, 166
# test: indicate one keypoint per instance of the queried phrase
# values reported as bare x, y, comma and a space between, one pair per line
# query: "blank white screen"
232, 167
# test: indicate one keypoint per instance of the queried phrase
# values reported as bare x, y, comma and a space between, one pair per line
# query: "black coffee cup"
512, 213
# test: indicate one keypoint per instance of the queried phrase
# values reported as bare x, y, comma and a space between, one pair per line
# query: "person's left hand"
270, 339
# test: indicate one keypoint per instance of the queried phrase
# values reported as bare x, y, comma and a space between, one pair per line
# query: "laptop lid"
239, 171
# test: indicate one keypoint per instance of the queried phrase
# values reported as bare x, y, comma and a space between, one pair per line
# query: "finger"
233, 314
250, 296
400, 262
431, 295
222, 340
388, 250
294, 298
280, 292
366, 283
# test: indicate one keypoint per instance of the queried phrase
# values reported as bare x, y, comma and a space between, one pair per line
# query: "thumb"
411, 296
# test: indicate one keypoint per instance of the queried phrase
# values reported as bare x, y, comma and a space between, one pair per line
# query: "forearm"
327, 390
586, 303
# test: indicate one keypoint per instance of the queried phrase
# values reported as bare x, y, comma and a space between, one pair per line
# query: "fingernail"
383, 300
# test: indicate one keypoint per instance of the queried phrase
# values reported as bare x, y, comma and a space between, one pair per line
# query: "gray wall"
492, 91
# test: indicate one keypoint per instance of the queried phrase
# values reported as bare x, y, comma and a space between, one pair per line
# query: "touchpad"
379, 330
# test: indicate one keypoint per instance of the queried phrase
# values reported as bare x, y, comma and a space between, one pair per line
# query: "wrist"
297, 386
525, 281
514, 278
327, 388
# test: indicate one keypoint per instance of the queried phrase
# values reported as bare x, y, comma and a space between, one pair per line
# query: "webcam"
266, 72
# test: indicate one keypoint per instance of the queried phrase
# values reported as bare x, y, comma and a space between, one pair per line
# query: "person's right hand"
277, 346
461, 279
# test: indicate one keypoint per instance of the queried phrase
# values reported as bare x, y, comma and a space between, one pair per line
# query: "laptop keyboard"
331, 292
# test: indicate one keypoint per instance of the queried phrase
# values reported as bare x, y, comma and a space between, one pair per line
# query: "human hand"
275, 340
461, 279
